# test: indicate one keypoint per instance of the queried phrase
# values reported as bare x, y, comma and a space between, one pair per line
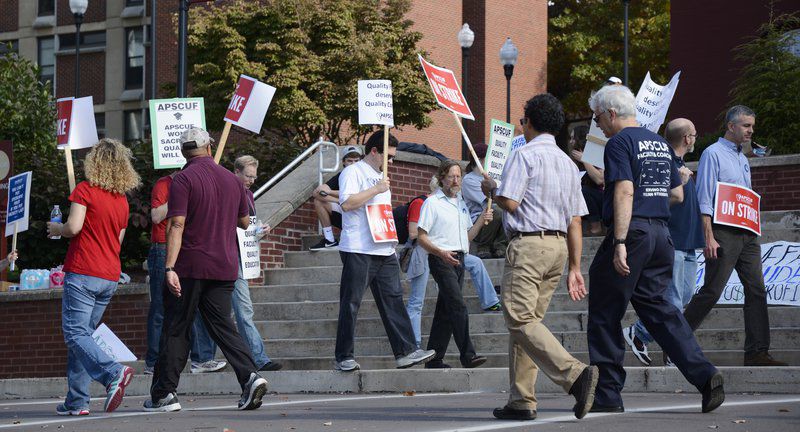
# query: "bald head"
681, 135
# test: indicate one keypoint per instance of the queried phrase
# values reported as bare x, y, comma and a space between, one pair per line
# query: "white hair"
434, 184
614, 97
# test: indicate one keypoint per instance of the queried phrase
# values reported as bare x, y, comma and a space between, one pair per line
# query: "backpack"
400, 215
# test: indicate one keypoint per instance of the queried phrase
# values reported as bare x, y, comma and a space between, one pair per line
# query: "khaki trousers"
532, 271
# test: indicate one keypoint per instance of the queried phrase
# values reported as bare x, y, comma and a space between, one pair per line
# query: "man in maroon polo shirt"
206, 204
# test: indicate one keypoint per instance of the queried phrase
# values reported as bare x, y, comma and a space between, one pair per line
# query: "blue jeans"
83, 303
484, 288
243, 311
681, 288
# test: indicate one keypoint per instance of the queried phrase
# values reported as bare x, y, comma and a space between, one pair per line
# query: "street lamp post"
465, 38
508, 57
78, 8
625, 70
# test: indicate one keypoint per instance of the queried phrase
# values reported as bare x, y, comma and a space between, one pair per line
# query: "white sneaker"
416, 357
348, 365
638, 347
253, 392
148, 370
168, 403
209, 366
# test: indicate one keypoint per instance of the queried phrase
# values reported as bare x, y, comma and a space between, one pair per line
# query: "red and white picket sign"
737, 206
75, 126
381, 223
446, 89
249, 104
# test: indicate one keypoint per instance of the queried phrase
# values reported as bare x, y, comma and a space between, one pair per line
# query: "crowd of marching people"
655, 213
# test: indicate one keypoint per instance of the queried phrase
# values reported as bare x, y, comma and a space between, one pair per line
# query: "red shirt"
159, 197
95, 250
414, 209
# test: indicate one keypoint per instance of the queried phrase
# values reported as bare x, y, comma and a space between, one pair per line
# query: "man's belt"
542, 234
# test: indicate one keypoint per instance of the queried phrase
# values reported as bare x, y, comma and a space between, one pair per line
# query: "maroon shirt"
212, 199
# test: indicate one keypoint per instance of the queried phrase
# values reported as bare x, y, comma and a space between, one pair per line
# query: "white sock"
328, 232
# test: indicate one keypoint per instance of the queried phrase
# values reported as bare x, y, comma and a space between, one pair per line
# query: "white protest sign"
518, 142
781, 269
375, 102
595, 147
652, 102
500, 136
110, 343
168, 119
249, 254
18, 208
249, 104
75, 126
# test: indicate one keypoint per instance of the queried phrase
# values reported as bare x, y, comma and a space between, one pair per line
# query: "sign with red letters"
249, 104
737, 206
445, 87
75, 126
381, 223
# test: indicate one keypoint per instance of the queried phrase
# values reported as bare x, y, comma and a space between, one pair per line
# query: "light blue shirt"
473, 195
722, 161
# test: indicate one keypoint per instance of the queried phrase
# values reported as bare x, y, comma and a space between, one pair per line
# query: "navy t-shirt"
644, 158
685, 225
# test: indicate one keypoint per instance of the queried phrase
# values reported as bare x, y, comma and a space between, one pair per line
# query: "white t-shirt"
356, 236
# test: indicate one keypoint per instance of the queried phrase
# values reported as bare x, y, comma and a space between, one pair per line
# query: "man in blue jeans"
246, 169
686, 230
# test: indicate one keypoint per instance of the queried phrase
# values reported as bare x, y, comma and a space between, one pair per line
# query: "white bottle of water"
55, 216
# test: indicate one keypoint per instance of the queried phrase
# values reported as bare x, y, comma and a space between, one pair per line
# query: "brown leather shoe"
762, 358
507, 413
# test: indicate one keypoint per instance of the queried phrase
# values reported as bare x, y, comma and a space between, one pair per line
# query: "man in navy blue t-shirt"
686, 230
634, 262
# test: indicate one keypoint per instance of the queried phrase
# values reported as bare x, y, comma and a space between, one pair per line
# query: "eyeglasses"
522, 121
596, 117
691, 135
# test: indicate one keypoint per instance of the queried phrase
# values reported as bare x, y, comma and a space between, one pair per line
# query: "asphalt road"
464, 412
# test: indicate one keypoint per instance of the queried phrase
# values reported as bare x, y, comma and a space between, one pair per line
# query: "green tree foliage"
586, 46
27, 110
769, 83
313, 52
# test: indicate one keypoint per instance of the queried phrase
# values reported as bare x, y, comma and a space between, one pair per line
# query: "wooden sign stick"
14, 244
385, 151
70, 168
222, 140
472, 152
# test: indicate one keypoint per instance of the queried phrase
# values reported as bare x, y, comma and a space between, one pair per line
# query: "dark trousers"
213, 299
382, 275
650, 258
740, 251
451, 316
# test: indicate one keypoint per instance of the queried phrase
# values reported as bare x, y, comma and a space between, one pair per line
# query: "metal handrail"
324, 145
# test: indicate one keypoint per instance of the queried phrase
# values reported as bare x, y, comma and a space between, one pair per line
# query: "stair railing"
324, 146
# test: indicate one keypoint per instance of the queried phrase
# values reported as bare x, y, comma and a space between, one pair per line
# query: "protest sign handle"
222, 141
474, 155
70, 169
385, 151
14, 244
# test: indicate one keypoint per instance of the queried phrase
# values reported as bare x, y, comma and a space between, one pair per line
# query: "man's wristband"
618, 242
169, 269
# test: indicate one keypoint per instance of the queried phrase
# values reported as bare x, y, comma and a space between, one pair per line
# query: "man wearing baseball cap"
326, 201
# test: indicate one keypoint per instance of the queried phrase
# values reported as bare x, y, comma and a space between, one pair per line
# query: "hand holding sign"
247, 109
18, 206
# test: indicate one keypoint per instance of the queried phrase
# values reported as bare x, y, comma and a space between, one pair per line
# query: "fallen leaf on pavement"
327, 424
740, 421
713, 427
409, 393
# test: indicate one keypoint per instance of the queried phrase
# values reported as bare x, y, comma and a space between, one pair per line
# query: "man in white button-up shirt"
444, 230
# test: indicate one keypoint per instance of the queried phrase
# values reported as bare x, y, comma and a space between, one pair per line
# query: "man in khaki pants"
541, 194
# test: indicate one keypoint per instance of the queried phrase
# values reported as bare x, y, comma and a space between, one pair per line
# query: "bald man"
686, 230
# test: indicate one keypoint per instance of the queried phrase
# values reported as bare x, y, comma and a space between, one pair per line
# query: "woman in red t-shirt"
97, 220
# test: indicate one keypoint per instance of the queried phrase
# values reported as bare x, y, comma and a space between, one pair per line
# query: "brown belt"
542, 234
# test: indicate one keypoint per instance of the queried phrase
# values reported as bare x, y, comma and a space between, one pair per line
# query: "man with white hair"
634, 262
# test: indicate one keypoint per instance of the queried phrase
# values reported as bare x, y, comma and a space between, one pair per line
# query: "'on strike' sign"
249, 104
445, 87
381, 223
737, 206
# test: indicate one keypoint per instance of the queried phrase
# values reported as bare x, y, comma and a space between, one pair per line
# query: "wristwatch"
619, 241
169, 269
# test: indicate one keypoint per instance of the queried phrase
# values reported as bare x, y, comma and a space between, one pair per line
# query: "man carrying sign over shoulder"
729, 247
369, 262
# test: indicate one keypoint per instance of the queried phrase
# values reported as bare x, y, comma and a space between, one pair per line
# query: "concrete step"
781, 338
639, 379
493, 322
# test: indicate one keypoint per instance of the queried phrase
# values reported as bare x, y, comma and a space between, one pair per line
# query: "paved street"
464, 412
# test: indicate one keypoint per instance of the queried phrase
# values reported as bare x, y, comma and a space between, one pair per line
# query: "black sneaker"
325, 245
713, 393
168, 403
253, 391
271, 366
583, 390
507, 413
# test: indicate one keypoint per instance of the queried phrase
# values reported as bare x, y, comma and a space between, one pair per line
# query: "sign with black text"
169, 118
18, 207
500, 136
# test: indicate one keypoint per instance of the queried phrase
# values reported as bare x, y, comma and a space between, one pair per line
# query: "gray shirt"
545, 183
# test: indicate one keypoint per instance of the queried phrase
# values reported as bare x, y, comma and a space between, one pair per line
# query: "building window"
66, 41
47, 8
47, 61
134, 125
134, 59
134, 2
9, 46
100, 123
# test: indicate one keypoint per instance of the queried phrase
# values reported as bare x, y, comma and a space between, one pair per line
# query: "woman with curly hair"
97, 220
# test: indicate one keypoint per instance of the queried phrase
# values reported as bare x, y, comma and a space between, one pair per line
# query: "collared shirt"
545, 183
446, 220
473, 195
722, 161
685, 225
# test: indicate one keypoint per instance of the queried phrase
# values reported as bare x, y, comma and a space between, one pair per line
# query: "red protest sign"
239, 100
381, 223
737, 206
445, 87
64, 108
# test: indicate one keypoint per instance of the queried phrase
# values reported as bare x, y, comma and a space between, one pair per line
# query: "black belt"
542, 234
